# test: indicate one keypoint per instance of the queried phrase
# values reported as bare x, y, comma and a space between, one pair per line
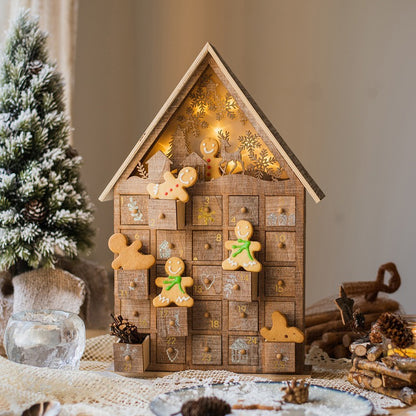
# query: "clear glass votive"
47, 338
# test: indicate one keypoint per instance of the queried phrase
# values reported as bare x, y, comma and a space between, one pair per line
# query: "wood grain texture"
207, 245
243, 208
136, 311
207, 210
279, 357
243, 316
165, 214
207, 315
171, 350
280, 211
131, 358
172, 321
206, 349
132, 284
279, 281
133, 209
207, 282
280, 246
240, 285
243, 350
286, 308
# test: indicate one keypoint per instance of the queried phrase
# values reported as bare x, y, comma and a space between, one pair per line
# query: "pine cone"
396, 329
35, 211
206, 406
376, 336
71, 152
34, 67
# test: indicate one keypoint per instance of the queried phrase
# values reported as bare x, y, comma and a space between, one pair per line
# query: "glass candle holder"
48, 338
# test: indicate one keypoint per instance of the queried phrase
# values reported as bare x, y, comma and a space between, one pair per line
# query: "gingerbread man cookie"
280, 332
174, 286
173, 188
129, 257
209, 148
242, 249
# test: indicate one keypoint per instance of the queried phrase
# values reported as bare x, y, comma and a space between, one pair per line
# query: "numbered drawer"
132, 284
206, 210
166, 214
280, 246
243, 350
142, 235
206, 349
280, 211
136, 311
170, 244
171, 350
131, 358
133, 209
286, 308
279, 281
240, 285
207, 281
243, 316
243, 208
172, 321
206, 314
279, 357
207, 245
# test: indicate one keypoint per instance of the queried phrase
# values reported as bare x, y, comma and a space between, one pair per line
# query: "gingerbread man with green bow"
174, 285
242, 249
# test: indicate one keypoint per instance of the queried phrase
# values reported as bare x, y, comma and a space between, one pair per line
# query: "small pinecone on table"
206, 406
35, 66
35, 211
393, 327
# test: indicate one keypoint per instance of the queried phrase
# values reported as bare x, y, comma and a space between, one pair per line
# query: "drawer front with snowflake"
240, 285
243, 208
206, 349
171, 350
243, 350
280, 211
142, 235
243, 316
170, 244
279, 357
207, 315
207, 281
137, 312
172, 321
132, 284
166, 214
286, 308
207, 210
279, 281
207, 245
280, 246
133, 209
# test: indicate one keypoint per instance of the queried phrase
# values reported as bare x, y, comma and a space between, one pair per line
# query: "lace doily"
95, 391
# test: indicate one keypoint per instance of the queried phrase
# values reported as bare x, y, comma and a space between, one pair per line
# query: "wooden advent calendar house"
245, 172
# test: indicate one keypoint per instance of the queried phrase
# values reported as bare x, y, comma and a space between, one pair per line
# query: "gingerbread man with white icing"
242, 249
209, 148
174, 188
174, 285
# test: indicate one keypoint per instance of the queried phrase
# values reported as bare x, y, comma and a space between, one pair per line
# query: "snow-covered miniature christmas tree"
44, 209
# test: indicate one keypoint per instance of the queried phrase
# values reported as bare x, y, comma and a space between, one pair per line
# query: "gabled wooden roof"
250, 105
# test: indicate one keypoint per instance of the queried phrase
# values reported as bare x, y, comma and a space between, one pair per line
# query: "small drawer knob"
170, 350
207, 281
207, 246
134, 210
243, 315
280, 283
136, 313
171, 245
127, 358
281, 245
207, 209
162, 216
133, 284
279, 356
207, 349
171, 323
281, 210
243, 210
236, 287
243, 352
207, 314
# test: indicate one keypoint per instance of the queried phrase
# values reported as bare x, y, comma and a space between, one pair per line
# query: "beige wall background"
336, 78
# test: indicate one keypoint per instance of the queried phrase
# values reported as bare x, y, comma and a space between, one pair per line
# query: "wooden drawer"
206, 314
172, 321
243, 208
136, 311
207, 245
165, 214
280, 211
206, 349
207, 281
279, 281
240, 285
132, 284
206, 210
287, 308
243, 316
133, 209
280, 246
171, 350
279, 357
170, 244
142, 235
243, 350
131, 358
